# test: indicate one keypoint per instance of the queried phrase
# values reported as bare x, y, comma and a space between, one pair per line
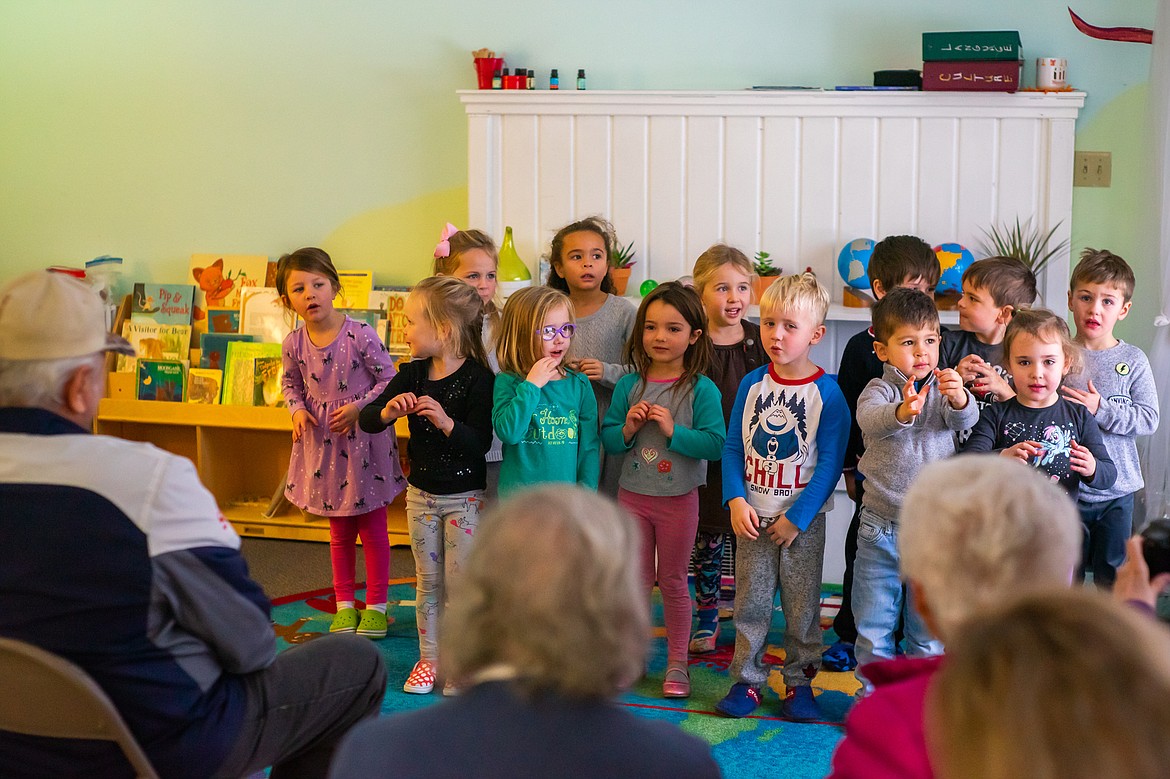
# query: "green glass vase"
511, 268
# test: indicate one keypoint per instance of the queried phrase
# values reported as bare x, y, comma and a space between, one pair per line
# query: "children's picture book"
266, 383
167, 304
160, 380
203, 385
218, 279
264, 316
239, 373
356, 286
392, 300
223, 320
153, 341
213, 348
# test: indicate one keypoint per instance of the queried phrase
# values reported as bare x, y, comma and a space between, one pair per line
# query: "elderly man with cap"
114, 556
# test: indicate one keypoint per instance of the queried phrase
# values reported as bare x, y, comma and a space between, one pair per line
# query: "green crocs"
373, 624
345, 621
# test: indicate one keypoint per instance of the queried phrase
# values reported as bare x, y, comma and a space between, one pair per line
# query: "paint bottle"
531, 78
581, 78
554, 81
497, 80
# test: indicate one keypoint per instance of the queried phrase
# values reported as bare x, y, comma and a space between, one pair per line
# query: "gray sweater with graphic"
895, 452
1129, 408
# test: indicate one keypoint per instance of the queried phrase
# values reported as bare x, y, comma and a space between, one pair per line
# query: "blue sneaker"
839, 657
801, 706
741, 700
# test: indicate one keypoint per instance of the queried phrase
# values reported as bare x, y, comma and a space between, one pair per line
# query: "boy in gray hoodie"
908, 418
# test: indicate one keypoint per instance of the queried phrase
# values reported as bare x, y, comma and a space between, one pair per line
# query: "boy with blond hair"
785, 445
1117, 387
897, 261
909, 418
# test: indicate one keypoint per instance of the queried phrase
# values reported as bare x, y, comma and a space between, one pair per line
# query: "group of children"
703, 424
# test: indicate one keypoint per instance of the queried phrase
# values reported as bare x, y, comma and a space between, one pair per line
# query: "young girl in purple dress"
333, 366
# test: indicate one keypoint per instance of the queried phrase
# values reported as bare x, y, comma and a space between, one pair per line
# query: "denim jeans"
879, 596
1108, 525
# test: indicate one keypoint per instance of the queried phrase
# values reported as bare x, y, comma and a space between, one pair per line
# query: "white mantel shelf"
768, 102
796, 173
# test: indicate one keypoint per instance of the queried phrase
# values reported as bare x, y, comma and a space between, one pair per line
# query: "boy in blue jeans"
908, 418
785, 444
1118, 389
897, 261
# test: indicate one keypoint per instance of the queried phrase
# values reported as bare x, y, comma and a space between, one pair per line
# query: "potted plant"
621, 260
1026, 243
766, 273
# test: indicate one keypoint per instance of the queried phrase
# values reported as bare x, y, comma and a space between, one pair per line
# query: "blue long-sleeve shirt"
785, 444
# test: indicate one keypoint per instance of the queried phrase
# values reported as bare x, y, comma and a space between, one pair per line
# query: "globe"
853, 262
953, 260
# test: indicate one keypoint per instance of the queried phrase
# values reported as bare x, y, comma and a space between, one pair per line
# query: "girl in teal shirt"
545, 414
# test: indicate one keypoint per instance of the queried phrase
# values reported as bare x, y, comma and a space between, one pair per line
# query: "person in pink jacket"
974, 529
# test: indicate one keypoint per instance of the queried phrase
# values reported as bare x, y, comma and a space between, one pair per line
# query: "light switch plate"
1093, 169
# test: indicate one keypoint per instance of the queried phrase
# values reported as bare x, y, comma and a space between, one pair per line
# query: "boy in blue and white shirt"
783, 457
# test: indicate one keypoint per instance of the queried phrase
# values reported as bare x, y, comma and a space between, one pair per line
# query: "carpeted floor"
762, 745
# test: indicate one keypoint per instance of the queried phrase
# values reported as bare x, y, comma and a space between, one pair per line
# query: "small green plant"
763, 265
622, 256
1026, 243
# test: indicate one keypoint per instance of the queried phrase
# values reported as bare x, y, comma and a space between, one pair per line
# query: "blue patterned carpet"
757, 746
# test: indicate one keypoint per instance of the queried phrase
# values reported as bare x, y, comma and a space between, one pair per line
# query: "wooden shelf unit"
240, 453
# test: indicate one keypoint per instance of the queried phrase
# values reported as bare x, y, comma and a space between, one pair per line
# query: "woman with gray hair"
975, 530
546, 625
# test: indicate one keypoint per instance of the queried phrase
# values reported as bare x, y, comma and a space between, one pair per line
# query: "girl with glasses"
544, 413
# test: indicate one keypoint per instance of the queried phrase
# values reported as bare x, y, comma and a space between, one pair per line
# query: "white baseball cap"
50, 316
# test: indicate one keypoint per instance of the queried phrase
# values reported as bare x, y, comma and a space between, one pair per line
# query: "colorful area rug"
761, 745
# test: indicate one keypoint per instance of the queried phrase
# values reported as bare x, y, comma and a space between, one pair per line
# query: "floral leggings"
442, 528
708, 565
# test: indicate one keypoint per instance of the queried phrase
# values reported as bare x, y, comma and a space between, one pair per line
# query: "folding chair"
42, 694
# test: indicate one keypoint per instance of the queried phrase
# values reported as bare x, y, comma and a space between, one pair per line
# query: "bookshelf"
241, 454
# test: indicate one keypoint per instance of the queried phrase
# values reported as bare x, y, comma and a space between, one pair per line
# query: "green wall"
152, 130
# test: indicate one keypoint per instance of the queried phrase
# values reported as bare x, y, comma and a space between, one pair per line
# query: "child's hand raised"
1089, 398
662, 416
1082, 461
301, 419
593, 369
398, 406
545, 370
990, 381
950, 384
1024, 451
635, 420
912, 401
430, 409
343, 419
745, 522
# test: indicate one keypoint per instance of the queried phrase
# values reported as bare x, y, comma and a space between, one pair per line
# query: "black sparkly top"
441, 464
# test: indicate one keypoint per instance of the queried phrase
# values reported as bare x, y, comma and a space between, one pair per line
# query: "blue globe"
953, 260
853, 262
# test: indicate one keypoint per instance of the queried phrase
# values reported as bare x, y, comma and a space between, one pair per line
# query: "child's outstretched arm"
377, 361
370, 419
983, 436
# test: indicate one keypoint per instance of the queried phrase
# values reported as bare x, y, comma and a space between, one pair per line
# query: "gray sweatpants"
760, 566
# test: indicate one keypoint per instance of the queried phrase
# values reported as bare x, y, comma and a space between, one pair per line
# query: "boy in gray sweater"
1118, 389
904, 425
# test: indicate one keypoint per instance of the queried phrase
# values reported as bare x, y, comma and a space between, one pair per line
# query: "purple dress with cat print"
339, 474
